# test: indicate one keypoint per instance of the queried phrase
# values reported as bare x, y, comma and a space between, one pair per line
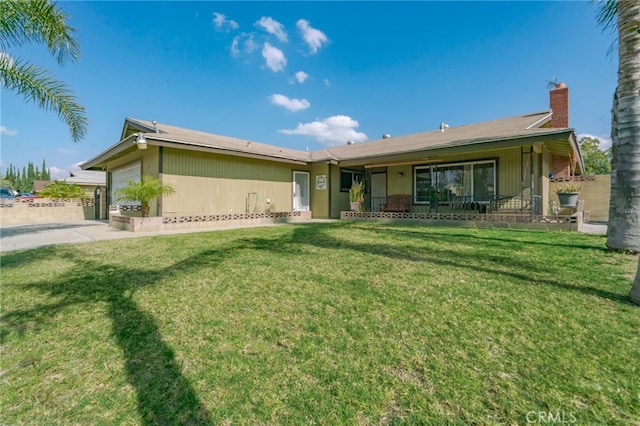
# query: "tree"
145, 191
596, 161
61, 189
624, 211
38, 21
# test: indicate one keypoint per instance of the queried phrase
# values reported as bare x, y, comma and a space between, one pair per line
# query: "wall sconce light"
141, 141
400, 174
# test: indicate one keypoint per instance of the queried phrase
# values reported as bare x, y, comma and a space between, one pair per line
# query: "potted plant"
568, 193
356, 195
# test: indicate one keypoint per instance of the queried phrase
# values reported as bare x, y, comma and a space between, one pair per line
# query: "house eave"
98, 162
154, 139
428, 153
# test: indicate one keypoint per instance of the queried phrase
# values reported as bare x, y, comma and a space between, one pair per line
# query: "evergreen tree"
45, 171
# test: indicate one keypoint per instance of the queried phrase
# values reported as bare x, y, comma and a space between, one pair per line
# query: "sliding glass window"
470, 181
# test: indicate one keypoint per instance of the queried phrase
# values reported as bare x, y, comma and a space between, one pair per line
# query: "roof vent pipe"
155, 126
386, 136
350, 142
443, 126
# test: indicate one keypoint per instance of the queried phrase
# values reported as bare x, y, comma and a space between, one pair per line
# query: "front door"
300, 191
378, 191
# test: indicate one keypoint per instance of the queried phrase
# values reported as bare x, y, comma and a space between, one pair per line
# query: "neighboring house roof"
87, 177
39, 185
512, 130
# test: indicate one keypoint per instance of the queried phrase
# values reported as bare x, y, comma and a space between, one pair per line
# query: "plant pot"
568, 199
355, 206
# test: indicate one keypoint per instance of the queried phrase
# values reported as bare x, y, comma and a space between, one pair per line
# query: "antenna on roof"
443, 126
552, 83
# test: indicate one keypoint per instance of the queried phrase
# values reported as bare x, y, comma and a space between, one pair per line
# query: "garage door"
121, 177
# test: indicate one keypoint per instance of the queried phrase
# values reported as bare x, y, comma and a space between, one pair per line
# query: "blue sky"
306, 75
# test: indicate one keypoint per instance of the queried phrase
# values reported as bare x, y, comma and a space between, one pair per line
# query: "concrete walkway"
29, 236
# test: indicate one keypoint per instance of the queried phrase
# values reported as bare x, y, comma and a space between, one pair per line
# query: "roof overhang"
159, 140
127, 144
435, 153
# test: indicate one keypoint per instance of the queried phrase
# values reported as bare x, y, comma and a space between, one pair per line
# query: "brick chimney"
559, 104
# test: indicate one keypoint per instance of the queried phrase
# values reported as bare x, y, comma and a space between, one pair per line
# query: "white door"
300, 191
378, 191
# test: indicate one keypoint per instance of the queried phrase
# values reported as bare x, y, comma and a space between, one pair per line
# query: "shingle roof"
193, 137
510, 128
506, 128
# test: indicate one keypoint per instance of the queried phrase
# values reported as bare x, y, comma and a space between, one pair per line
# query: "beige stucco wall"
595, 193
45, 210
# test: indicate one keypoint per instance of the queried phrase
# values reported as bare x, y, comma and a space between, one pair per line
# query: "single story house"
504, 163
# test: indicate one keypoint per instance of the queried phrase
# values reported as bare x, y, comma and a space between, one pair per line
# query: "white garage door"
121, 177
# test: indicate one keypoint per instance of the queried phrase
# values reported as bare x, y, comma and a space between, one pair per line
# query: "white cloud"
66, 151
314, 38
331, 131
274, 27
58, 173
76, 166
221, 23
301, 76
247, 42
326, 82
605, 141
7, 132
274, 57
290, 104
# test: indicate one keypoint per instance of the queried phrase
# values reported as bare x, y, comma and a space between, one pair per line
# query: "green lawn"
324, 323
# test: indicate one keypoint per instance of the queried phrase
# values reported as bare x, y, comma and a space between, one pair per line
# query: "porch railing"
454, 204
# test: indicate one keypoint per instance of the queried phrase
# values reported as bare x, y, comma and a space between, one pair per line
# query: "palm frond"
607, 14
38, 85
37, 21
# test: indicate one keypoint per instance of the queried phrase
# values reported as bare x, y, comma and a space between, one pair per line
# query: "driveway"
19, 237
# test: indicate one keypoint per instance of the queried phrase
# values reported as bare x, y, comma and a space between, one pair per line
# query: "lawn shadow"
460, 236
450, 258
164, 395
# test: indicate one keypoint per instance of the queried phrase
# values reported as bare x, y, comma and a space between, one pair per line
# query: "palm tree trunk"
635, 290
624, 211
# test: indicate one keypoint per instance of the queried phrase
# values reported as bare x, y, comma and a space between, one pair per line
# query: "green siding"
210, 183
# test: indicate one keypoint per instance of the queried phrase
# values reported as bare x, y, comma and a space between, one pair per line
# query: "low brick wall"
42, 210
150, 224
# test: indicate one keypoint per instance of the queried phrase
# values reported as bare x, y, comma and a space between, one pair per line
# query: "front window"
471, 181
348, 178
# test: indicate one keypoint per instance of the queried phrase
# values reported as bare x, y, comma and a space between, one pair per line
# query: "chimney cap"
560, 86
